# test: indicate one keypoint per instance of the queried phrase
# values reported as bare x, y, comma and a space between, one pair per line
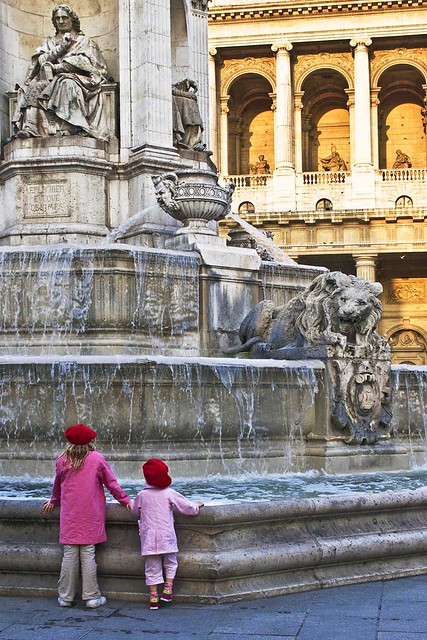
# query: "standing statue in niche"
333, 162
61, 94
403, 161
187, 122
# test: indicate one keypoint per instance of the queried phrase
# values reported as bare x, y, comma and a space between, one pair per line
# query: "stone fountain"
122, 308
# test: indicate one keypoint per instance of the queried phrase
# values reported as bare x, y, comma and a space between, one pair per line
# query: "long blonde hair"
76, 454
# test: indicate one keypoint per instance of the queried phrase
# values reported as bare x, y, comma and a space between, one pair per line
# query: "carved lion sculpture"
336, 309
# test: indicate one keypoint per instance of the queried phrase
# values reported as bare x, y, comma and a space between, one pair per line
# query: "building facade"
319, 116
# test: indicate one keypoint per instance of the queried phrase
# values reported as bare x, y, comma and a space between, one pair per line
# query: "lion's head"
339, 305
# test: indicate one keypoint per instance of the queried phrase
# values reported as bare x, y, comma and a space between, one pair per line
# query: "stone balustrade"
236, 551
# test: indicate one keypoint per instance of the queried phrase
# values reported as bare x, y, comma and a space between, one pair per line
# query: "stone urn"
193, 198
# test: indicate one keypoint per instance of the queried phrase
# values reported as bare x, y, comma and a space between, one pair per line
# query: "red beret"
156, 473
79, 434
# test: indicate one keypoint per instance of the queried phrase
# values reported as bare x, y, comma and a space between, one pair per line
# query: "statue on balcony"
260, 167
187, 121
61, 94
333, 162
403, 161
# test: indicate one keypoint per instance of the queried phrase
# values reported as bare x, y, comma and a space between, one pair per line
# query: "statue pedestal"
55, 190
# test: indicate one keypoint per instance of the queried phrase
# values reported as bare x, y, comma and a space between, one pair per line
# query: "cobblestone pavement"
387, 610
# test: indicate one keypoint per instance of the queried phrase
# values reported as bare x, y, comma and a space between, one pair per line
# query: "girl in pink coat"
155, 506
81, 474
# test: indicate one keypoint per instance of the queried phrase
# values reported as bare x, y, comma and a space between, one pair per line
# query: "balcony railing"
325, 177
397, 175
336, 215
252, 180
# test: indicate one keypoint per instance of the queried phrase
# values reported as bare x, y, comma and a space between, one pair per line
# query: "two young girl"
78, 489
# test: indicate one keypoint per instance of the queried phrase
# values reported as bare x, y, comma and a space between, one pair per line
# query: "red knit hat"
156, 473
79, 434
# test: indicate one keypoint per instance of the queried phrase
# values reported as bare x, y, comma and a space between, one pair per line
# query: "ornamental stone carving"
406, 292
232, 69
305, 64
335, 320
382, 60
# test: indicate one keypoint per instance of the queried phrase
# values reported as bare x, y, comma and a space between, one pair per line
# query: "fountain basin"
232, 552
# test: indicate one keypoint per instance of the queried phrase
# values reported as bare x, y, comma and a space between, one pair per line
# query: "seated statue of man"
402, 161
61, 94
333, 162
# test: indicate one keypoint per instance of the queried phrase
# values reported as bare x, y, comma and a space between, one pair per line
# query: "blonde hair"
76, 454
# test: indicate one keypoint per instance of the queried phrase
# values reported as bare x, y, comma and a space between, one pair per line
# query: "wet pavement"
386, 610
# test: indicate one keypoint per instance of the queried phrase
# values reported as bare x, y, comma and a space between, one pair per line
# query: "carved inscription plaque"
46, 199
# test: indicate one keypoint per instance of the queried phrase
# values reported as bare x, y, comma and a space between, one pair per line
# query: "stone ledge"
234, 552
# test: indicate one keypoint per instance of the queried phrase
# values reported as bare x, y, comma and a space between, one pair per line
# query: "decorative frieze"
279, 11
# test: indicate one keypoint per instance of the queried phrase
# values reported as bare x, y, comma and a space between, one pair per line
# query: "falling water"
409, 392
71, 299
130, 226
268, 245
240, 415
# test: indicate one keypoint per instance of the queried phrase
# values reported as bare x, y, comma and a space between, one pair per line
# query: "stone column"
223, 165
274, 110
213, 104
365, 266
306, 128
284, 111
374, 126
350, 105
298, 130
362, 102
238, 143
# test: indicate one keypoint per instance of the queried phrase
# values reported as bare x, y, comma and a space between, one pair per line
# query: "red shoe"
154, 601
167, 595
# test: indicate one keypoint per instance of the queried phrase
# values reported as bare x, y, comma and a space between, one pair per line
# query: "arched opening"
326, 122
401, 130
251, 125
324, 205
246, 207
403, 202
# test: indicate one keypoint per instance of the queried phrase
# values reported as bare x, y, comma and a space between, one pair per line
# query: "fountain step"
234, 551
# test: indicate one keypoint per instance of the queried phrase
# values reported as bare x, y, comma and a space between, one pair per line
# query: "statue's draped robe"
187, 122
73, 95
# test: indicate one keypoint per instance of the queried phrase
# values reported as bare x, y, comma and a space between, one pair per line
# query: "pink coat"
80, 495
155, 508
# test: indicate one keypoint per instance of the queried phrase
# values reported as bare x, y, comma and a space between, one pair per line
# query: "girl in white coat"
155, 506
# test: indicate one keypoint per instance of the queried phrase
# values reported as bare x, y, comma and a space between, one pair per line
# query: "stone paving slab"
388, 610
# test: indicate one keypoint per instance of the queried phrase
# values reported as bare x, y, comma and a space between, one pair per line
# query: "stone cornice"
276, 10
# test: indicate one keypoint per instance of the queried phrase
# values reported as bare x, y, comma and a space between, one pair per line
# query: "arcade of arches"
294, 110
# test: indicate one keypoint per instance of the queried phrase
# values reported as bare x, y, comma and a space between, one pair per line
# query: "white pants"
154, 568
76, 555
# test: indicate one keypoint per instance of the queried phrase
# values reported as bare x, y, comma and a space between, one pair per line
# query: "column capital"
273, 97
298, 95
350, 94
361, 43
282, 47
223, 104
213, 51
